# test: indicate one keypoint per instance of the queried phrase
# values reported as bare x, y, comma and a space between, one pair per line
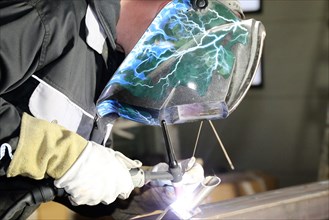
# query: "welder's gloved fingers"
187, 163
193, 175
159, 194
234, 5
99, 175
193, 172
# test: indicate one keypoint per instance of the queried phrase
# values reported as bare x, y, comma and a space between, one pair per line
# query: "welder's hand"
99, 175
159, 194
192, 177
193, 173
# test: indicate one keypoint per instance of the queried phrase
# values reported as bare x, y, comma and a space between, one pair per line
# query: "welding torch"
140, 176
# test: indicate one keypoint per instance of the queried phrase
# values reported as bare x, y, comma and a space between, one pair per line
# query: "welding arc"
221, 144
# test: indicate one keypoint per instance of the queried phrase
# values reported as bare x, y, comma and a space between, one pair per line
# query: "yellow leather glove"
89, 172
44, 149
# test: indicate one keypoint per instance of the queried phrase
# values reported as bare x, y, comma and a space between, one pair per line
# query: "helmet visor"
189, 65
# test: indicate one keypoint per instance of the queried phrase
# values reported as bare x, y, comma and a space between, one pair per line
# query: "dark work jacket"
48, 70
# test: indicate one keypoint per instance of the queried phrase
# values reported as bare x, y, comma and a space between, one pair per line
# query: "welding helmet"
192, 63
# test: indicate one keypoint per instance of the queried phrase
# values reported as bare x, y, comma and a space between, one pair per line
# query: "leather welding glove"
99, 175
89, 172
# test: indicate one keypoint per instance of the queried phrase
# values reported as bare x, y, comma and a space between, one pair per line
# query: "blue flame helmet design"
189, 65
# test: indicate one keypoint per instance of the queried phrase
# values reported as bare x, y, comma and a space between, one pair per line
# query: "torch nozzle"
174, 168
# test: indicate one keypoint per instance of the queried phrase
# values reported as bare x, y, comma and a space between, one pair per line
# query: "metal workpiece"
186, 205
204, 190
306, 201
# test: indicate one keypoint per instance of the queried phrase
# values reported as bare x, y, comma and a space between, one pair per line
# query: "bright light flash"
187, 203
182, 207
191, 85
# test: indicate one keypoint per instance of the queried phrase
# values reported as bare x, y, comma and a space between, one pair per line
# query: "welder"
56, 58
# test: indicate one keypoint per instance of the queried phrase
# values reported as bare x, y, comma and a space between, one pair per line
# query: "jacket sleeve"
29, 146
22, 43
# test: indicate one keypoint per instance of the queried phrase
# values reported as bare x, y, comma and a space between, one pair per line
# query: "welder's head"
136, 16
191, 64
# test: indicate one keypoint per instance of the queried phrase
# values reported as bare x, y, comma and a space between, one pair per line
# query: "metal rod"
221, 144
197, 139
160, 217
